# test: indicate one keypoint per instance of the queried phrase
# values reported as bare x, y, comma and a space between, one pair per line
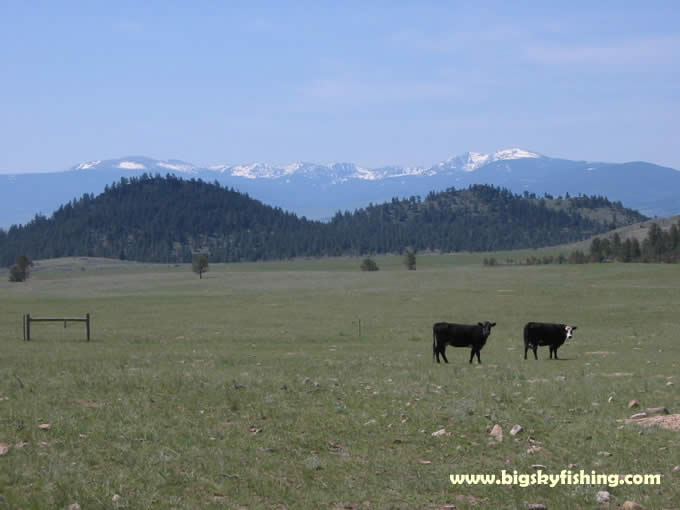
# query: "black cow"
543, 333
459, 335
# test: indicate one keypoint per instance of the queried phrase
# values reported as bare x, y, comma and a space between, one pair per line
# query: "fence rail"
28, 319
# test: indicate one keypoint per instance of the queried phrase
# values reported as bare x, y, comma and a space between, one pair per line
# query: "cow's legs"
472, 355
556, 353
479, 360
442, 352
535, 349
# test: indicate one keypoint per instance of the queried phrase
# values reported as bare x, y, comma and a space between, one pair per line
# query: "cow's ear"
492, 324
573, 328
480, 324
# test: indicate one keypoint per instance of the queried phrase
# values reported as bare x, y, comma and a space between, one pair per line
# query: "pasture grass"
309, 384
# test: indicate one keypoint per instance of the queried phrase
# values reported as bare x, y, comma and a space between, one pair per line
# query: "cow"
459, 335
544, 333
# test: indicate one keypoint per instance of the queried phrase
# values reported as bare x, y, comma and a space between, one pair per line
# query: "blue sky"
374, 83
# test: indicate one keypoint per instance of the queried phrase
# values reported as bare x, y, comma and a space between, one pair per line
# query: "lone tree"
369, 265
199, 265
410, 260
20, 271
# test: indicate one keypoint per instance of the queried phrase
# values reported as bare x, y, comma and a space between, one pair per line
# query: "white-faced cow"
459, 335
543, 333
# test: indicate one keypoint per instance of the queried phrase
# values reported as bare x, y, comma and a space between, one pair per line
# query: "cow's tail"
434, 344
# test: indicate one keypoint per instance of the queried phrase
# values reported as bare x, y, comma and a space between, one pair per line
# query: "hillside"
635, 231
157, 219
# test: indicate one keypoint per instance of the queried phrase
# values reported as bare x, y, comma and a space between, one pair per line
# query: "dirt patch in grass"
670, 421
89, 403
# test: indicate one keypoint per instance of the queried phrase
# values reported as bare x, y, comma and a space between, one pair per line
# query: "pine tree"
199, 265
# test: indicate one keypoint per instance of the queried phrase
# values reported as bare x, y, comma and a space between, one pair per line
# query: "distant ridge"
318, 191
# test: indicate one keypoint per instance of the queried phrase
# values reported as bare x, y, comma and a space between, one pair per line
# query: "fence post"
28, 327
23, 324
87, 325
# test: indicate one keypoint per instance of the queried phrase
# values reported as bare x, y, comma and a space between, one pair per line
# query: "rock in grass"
536, 506
471, 500
633, 403
638, 416
631, 505
4, 448
44, 426
497, 433
313, 462
676, 469
605, 454
516, 429
439, 432
657, 410
603, 497
74, 506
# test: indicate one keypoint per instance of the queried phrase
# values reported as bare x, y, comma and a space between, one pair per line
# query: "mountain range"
317, 191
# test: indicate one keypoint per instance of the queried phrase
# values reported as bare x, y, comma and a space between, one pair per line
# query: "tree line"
658, 246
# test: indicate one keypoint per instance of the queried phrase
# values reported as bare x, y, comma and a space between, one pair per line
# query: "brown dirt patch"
90, 403
670, 421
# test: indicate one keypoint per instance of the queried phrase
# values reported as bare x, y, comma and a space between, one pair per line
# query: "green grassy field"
255, 387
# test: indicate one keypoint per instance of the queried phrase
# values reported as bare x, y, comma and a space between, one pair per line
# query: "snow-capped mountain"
319, 190
335, 172
140, 163
471, 161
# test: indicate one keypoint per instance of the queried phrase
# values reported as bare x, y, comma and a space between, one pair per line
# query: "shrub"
369, 265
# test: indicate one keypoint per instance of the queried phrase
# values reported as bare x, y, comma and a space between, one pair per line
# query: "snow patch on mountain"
88, 164
475, 160
178, 166
513, 154
131, 165
246, 171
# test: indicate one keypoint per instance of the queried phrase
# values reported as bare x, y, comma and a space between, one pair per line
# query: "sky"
368, 82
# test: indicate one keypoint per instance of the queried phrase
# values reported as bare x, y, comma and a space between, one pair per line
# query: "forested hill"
167, 219
480, 218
